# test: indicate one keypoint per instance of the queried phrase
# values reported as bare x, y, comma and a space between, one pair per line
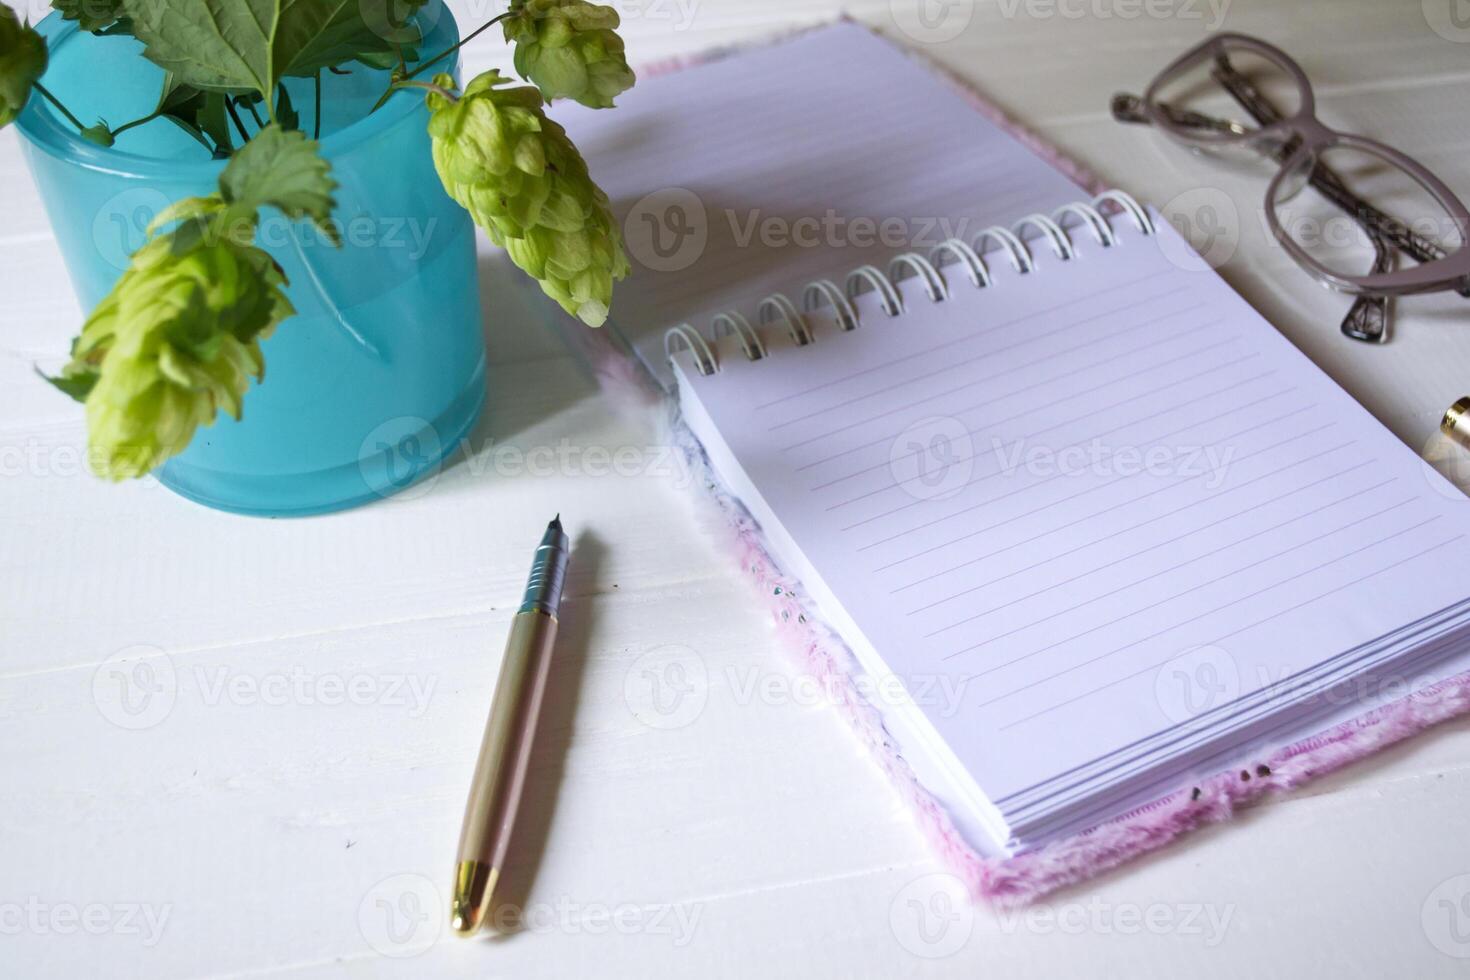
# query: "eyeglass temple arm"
1367, 318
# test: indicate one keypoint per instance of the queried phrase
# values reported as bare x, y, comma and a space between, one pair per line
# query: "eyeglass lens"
1337, 239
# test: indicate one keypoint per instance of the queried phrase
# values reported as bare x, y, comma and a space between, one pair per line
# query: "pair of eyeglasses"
1336, 200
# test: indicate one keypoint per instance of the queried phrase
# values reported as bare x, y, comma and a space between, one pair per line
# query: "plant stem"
136, 122
235, 117
316, 123
426, 86
57, 103
459, 44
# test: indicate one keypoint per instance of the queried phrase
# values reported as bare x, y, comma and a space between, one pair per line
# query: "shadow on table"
533, 372
553, 738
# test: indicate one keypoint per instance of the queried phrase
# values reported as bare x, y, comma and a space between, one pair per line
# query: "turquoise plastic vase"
381, 373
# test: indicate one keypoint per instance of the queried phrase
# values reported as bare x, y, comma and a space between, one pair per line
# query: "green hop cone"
570, 49
22, 62
523, 181
177, 340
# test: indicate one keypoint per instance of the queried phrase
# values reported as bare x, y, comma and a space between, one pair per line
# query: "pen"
505, 752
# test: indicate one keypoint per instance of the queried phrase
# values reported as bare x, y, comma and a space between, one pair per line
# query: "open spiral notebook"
1097, 519
1091, 526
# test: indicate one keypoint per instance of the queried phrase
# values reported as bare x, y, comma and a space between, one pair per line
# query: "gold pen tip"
466, 921
473, 883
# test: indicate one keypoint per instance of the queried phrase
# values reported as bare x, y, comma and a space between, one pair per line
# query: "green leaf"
384, 60
200, 114
90, 15
22, 61
76, 385
283, 170
325, 40
214, 121
214, 44
253, 44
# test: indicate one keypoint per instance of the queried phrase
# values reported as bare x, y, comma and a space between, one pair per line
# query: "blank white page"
1044, 493
743, 176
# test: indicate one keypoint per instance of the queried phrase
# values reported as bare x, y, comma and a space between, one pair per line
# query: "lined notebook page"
1048, 494
743, 176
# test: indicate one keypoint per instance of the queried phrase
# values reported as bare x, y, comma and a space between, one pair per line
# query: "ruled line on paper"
1066, 423
1107, 510
1225, 636
1148, 418
928, 377
1097, 487
1185, 622
1178, 595
1154, 547
1013, 369
1149, 578
944, 572
985, 332
1010, 394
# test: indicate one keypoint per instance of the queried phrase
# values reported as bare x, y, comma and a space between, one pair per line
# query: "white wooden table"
278, 790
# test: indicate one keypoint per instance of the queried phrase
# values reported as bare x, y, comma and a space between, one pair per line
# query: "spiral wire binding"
796, 324
888, 295
824, 289
1056, 230
750, 341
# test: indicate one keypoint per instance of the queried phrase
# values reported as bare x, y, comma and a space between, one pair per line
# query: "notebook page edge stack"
981, 825
1358, 511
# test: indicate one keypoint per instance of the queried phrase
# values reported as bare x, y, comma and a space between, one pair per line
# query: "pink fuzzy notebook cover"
822, 652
